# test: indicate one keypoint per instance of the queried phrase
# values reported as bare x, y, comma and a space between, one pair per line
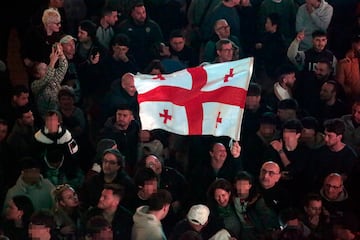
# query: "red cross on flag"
205, 100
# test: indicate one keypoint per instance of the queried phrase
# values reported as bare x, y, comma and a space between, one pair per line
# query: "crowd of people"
76, 163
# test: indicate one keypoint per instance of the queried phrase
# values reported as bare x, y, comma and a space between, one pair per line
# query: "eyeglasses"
271, 173
57, 23
332, 186
110, 162
223, 28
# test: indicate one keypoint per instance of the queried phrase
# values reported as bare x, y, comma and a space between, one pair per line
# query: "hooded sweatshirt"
39, 194
146, 226
319, 19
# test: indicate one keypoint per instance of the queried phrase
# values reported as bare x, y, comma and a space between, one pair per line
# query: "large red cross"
193, 99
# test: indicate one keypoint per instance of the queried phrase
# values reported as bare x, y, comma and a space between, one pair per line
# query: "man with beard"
283, 88
110, 207
125, 131
307, 60
335, 156
348, 72
311, 83
352, 126
331, 106
143, 32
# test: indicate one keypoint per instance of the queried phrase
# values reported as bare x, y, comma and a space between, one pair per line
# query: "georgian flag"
204, 100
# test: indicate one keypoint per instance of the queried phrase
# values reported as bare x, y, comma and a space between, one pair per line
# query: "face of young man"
177, 43
314, 208
27, 119
123, 118
242, 187
290, 137
319, 43
150, 187
110, 164
108, 200
112, 18
331, 139
83, 35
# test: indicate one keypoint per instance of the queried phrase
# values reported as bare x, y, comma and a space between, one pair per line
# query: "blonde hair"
51, 15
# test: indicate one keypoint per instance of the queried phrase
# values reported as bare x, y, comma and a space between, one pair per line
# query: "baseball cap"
198, 214
222, 234
67, 39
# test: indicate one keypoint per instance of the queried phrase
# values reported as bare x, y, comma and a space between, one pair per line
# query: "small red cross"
165, 115
218, 119
159, 76
227, 76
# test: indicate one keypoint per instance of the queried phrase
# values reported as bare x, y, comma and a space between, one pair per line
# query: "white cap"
198, 214
66, 39
222, 234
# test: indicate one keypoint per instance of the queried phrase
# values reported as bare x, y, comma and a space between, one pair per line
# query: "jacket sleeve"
322, 16
295, 56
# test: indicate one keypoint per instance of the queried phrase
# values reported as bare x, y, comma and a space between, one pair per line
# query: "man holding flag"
205, 100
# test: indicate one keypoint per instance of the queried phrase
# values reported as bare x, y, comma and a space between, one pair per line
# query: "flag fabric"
204, 100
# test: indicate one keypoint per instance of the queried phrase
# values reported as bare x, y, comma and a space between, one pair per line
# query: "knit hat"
198, 214
120, 158
268, 118
102, 145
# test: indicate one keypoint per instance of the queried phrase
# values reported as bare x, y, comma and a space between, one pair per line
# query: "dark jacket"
121, 224
90, 191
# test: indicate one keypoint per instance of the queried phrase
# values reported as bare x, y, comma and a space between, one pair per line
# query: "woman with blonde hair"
67, 212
